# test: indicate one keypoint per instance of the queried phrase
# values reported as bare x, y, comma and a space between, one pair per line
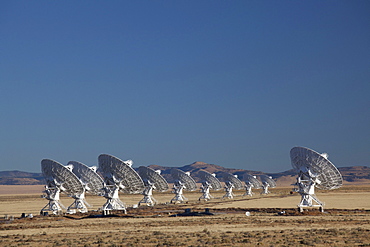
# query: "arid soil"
273, 221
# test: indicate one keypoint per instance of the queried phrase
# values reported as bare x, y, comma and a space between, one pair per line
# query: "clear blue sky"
232, 83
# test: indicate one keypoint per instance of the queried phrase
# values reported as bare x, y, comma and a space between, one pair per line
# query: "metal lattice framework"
268, 180
314, 171
148, 174
56, 172
122, 171
253, 180
307, 159
153, 181
183, 177
60, 178
93, 183
211, 179
228, 177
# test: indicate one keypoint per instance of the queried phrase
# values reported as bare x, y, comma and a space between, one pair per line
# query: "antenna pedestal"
251, 182
307, 202
306, 188
148, 196
54, 205
78, 204
265, 188
229, 191
148, 200
248, 189
178, 198
267, 182
205, 192
113, 201
60, 178
314, 170
177, 189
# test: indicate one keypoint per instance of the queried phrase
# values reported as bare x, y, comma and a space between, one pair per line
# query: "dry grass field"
345, 222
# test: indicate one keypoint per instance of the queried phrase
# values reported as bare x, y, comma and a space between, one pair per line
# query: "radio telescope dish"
92, 182
152, 180
118, 175
183, 181
228, 177
148, 174
314, 170
179, 175
60, 178
209, 181
231, 182
122, 171
251, 182
304, 159
267, 182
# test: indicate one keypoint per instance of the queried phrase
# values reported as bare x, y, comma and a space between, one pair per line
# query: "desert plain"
273, 220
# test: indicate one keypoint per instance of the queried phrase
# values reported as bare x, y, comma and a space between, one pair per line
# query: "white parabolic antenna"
211, 179
148, 174
304, 159
251, 182
183, 181
122, 172
231, 182
118, 175
228, 177
314, 170
183, 177
267, 182
209, 182
92, 182
60, 178
152, 180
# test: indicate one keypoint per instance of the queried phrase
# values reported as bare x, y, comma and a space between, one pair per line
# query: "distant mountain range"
351, 175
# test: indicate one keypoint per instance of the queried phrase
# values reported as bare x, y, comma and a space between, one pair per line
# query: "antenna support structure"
111, 190
209, 181
52, 193
229, 190
305, 186
152, 181
231, 182
183, 181
267, 182
177, 189
148, 195
248, 189
58, 179
251, 182
313, 170
265, 188
118, 176
79, 204
205, 188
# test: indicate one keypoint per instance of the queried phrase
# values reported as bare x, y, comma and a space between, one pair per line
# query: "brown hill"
20, 181
351, 175
20, 178
354, 174
195, 167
